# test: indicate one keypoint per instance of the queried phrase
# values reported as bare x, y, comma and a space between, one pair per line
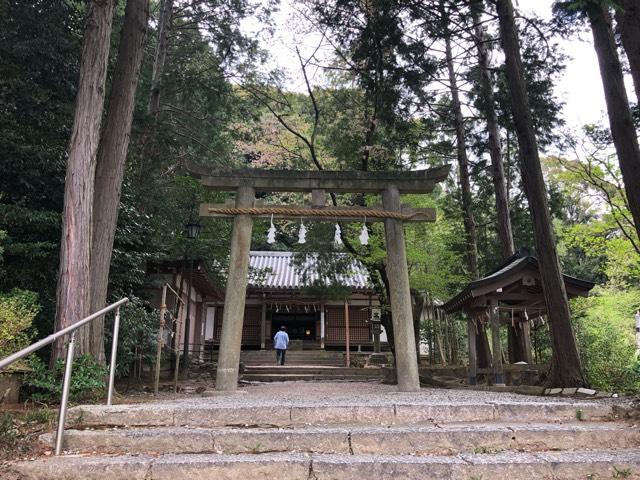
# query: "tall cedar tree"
461, 154
566, 366
628, 20
517, 350
164, 23
72, 298
503, 221
624, 134
112, 155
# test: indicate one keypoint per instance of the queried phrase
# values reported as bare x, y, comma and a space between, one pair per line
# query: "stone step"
270, 359
232, 410
577, 465
292, 353
300, 377
311, 370
292, 362
397, 440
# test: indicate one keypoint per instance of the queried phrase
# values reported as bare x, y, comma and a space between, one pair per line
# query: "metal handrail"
68, 366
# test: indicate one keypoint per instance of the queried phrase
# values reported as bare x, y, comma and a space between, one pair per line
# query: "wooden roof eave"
497, 280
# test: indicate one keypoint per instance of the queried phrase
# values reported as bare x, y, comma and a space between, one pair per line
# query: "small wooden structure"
511, 294
390, 185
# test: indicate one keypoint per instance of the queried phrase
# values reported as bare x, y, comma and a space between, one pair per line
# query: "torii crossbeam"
390, 185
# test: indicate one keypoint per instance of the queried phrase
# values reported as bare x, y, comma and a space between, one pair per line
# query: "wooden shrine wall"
250, 328
335, 331
359, 328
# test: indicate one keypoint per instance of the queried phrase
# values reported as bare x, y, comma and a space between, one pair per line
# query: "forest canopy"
386, 86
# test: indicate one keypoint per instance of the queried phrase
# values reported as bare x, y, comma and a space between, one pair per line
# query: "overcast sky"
580, 86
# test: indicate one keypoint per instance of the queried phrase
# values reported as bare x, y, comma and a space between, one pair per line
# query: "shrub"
138, 335
44, 385
605, 330
17, 311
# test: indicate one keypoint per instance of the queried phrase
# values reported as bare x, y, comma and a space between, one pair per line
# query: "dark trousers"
280, 352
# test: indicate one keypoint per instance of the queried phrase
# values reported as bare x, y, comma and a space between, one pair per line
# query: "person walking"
280, 343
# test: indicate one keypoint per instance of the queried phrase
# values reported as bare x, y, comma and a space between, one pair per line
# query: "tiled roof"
277, 270
503, 276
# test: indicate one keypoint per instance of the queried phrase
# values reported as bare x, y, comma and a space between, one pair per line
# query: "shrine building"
278, 294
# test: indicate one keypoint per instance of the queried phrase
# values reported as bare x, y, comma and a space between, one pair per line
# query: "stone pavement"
305, 431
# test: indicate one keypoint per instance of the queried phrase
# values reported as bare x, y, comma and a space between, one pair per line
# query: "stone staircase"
261, 373
293, 357
343, 431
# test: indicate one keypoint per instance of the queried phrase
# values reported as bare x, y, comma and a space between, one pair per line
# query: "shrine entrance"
300, 326
390, 185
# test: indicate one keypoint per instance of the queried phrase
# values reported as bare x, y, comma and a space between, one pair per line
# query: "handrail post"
163, 309
114, 353
66, 382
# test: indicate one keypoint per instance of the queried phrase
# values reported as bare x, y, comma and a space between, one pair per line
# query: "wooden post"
495, 343
235, 295
318, 198
175, 373
473, 357
347, 339
187, 317
526, 339
322, 327
163, 310
263, 326
397, 271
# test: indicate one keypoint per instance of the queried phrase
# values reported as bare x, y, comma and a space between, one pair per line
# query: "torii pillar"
235, 295
401, 314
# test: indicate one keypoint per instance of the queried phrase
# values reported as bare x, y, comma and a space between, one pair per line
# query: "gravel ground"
363, 393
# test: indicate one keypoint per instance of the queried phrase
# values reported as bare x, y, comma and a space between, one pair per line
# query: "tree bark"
72, 296
418, 309
503, 218
112, 155
463, 166
503, 221
164, 24
566, 366
628, 20
482, 347
623, 131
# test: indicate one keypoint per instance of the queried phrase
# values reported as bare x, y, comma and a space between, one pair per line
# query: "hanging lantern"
337, 238
302, 234
364, 235
271, 234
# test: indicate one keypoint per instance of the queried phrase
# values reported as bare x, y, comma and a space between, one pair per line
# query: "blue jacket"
281, 340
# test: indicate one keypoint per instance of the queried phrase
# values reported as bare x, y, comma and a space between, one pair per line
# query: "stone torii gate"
390, 185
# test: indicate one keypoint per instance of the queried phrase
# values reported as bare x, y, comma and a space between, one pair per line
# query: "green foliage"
44, 385
138, 335
40, 44
621, 472
605, 330
435, 248
17, 311
8, 432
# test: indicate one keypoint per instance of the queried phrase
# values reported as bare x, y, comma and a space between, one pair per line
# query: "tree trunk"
482, 347
566, 367
503, 220
418, 308
482, 341
164, 24
72, 296
463, 166
623, 131
112, 155
628, 19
